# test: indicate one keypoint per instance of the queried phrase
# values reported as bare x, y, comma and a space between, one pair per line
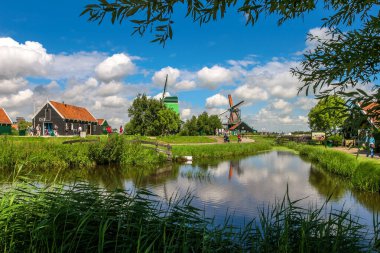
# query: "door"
48, 128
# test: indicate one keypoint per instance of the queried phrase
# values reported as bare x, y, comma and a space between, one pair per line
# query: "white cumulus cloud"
20, 60
9, 86
20, 99
185, 85
159, 77
216, 101
115, 68
185, 113
251, 93
214, 76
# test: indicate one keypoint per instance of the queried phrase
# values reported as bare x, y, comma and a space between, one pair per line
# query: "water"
243, 186
240, 187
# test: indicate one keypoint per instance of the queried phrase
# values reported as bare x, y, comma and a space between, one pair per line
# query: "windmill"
234, 114
170, 102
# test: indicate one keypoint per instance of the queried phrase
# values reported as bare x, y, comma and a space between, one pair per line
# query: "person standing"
370, 145
121, 130
38, 129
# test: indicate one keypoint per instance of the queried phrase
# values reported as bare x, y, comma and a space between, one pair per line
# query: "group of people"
37, 131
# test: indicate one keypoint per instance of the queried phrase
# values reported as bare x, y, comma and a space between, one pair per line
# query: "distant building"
5, 122
67, 118
103, 124
20, 119
243, 127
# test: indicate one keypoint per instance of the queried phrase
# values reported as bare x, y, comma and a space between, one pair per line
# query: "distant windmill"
166, 83
233, 114
170, 102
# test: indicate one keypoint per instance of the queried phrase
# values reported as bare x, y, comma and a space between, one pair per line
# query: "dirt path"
353, 151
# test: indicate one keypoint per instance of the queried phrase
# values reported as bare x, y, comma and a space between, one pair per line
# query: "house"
242, 127
103, 124
66, 119
5, 122
373, 110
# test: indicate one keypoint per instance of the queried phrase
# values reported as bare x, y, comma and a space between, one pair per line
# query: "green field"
186, 139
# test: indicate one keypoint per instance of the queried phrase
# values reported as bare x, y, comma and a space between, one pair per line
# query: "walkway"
353, 151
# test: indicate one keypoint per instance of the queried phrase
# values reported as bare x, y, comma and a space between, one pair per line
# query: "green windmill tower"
172, 101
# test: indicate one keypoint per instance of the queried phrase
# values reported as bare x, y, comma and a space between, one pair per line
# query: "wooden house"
67, 119
5, 122
103, 124
374, 112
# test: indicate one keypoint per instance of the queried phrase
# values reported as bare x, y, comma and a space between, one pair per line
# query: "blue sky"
47, 51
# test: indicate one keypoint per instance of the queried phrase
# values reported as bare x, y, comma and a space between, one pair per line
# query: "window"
47, 114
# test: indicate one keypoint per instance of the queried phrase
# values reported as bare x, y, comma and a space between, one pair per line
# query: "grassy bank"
50, 154
81, 218
185, 139
219, 151
363, 174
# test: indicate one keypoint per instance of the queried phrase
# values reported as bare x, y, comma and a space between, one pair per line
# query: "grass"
44, 154
82, 218
186, 139
223, 150
363, 174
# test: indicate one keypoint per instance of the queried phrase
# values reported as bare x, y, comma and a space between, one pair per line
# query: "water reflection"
241, 185
326, 185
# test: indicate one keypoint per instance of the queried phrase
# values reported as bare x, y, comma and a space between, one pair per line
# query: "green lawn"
186, 139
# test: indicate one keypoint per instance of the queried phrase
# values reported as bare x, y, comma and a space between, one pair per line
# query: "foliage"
150, 117
23, 125
336, 139
82, 218
328, 115
201, 125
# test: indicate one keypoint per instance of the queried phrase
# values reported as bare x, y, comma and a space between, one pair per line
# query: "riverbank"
362, 173
36, 154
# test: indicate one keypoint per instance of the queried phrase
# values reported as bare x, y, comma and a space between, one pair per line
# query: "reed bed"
363, 174
82, 218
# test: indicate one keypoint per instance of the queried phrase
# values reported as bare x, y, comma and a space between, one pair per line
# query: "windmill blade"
230, 100
166, 82
238, 104
224, 112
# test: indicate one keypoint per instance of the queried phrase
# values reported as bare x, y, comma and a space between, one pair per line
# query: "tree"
150, 117
203, 125
350, 59
328, 115
23, 125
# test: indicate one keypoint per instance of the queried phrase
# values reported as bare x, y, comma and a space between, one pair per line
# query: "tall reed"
82, 218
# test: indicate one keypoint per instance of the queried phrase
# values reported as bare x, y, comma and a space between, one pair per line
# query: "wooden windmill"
170, 102
233, 114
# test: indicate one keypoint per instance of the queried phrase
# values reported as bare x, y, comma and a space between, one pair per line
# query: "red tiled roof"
4, 118
100, 121
73, 112
376, 119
